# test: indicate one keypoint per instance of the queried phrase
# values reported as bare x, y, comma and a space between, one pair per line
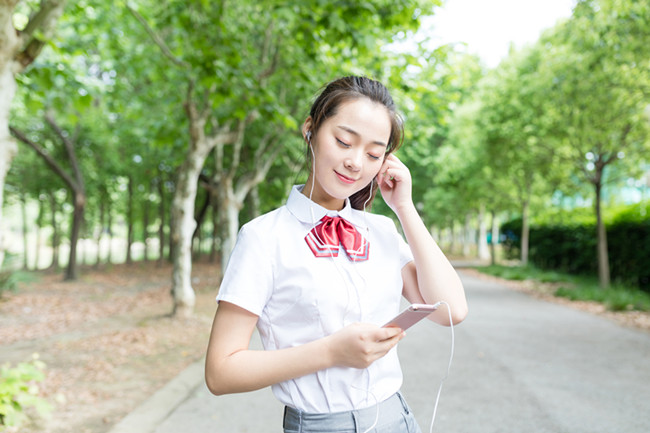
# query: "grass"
618, 297
615, 298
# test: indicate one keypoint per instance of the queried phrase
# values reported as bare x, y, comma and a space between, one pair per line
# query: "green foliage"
474, 138
7, 281
558, 215
596, 69
570, 246
19, 392
10, 276
638, 212
442, 148
512, 117
562, 117
553, 215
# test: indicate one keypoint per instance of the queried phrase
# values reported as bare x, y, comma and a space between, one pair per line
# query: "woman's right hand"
360, 344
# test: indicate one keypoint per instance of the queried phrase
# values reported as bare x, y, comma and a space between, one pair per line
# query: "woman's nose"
353, 162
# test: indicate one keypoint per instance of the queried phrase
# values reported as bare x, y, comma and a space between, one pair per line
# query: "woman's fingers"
360, 344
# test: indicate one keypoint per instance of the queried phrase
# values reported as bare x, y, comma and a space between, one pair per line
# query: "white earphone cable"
313, 177
451, 357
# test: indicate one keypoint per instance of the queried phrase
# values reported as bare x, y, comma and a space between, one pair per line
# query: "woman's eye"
342, 143
375, 157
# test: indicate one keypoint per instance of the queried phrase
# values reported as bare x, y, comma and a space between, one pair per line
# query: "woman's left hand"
394, 181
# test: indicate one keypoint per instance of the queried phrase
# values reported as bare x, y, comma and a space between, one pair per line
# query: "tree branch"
69, 147
157, 39
267, 46
249, 180
42, 20
46, 157
196, 120
239, 140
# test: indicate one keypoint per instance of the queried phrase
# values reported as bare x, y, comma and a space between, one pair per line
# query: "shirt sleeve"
248, 279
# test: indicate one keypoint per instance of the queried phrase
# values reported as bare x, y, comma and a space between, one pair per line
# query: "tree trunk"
214, 245
495, 238
23, 209
197, 237
55, 233
230, 210
161, 217
525, 232
483, 251
254, 202
39, 233
183, 230
233, 194
8, 147
109, 228
100, 235
145, 225
170, 227
452, 237
603, 255
77, 221
129, 222
183, 205
467, 236
82, 248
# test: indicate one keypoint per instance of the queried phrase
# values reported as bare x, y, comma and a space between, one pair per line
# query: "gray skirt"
394, 417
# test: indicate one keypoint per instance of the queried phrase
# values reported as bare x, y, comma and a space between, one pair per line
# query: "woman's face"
348, 151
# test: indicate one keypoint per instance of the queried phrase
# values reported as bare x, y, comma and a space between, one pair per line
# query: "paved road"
520, 365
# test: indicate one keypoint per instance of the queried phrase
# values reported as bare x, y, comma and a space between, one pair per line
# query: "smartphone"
411, 315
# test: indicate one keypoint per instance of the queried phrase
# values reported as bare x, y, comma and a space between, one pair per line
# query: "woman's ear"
306, 129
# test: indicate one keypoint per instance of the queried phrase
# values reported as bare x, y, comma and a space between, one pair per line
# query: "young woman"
320, 276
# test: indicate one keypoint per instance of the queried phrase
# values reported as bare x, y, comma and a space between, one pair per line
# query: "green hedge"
572, 249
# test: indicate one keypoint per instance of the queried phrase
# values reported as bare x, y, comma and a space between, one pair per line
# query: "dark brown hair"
346, 89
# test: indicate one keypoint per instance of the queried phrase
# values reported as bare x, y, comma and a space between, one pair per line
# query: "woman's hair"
347, 89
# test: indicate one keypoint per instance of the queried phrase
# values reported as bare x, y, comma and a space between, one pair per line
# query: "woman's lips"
344, 179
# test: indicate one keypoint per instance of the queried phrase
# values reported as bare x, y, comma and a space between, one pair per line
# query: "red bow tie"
325, 237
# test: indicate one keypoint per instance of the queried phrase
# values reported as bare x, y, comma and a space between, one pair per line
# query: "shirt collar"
302, 207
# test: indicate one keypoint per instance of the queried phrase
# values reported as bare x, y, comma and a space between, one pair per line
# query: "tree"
513, 118
19, 46
74, 181
600, 69
464, 163
58, 87
441, 82
228, 95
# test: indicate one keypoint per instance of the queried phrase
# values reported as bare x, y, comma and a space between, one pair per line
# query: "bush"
19, 392
571, 247
8, 281
11, 275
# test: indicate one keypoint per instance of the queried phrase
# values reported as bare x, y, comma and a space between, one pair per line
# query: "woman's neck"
321, 198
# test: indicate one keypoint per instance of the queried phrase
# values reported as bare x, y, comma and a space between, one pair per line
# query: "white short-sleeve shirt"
299, 298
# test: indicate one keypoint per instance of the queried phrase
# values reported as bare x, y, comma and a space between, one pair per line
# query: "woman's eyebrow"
353, 132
